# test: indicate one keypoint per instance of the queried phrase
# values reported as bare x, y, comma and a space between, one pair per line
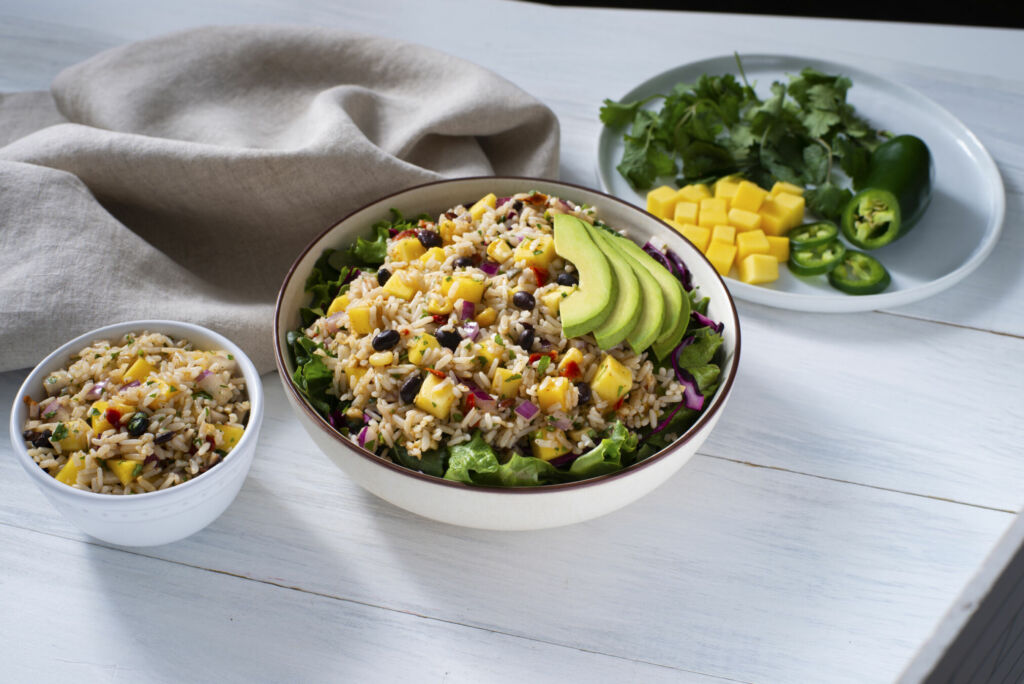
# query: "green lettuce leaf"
606, 457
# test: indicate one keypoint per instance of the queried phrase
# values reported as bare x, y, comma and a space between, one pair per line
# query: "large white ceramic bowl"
494, 507
157, 517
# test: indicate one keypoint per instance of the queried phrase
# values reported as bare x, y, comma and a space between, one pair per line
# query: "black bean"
584, 390
40, 440
567, 279
524, 300
410, 388
28, 435
448, 338
525, 339
165, 437
463, 262
517, 206
383, 275
429, 238
386, 339
138, 424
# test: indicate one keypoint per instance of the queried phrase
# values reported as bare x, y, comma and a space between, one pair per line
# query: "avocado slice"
671, 290
589, 306
625, 312
666, 343
651, 305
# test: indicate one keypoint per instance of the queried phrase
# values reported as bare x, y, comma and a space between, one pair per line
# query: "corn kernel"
751, 242
724, 233
353, 374
778, 247
721, 255
486, 317
379, 359
759, 268
748, 196
661, 201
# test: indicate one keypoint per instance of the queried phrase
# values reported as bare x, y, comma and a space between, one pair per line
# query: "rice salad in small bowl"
136, 414
513, 340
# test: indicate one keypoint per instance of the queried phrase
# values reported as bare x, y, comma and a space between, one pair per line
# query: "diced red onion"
96, 391
563, 460
133, 383
701, 319
563, 424
352, 275
469, 330
362, 436
468, 310
332, 324
489, 267
502, 200
564, 206
483, 400
369, 415
527, 410
337, 419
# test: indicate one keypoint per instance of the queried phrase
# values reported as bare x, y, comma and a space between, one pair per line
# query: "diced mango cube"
436, 396
162, 392
539, 251
433, 254
686, 212
506, 383
612, 380
553, 394
419, 345
486, 317
68, 473
713, 212
570, 365
751, 242
139, 371
778, 247
353, 374
229, 436
724, 233
486, 352
406, 249
725, 188
694, 192
782, 186
488, 201
721, 255
499, 251
359, 319
545, 445
467, 287
98, 414
553, 299
438, 304
781, 213
125, 470
77, 437
661, 201
402, 284
698, 237
759, 268
748, 196
741, 219
340, 303
448, 230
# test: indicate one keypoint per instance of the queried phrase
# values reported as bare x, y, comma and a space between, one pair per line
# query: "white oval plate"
957, 232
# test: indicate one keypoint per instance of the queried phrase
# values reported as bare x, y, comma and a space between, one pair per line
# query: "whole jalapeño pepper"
894, 194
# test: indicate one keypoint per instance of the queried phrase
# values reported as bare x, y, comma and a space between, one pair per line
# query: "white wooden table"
864, 470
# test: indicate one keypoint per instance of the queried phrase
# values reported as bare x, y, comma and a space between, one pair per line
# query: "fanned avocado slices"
648, 315
588, 307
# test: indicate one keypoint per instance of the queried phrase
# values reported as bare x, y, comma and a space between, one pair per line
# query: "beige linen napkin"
180, 176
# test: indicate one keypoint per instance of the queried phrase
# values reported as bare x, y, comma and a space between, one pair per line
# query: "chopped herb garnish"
517, 376
499, 340
231, 357
59, 433
51, 380
114, 355
201, 395
543, 363
137, 470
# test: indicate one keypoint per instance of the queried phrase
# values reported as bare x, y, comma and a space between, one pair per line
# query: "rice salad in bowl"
140, 413
508, 341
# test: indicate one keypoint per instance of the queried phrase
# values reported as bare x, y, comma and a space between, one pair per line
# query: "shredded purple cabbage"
563, 460
691, 392
684, 273
660, 257
352, 275
701, 319
337, 419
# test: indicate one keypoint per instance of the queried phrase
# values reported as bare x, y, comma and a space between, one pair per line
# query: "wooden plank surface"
865, 467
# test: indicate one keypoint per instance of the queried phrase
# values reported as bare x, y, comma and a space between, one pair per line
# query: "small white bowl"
157, 517
500, 508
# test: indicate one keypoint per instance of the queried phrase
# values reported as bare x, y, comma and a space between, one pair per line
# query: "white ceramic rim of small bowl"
279, 351
62, 354
840, 303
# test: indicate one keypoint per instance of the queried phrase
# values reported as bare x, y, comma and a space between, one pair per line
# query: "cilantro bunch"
719, 126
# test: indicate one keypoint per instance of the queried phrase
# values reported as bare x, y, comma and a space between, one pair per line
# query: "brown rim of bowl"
322, 423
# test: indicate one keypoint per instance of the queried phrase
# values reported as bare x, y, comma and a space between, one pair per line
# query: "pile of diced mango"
734, 224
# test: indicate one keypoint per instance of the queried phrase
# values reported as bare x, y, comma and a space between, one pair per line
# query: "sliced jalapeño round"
859, 274
812, 234
809, 261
